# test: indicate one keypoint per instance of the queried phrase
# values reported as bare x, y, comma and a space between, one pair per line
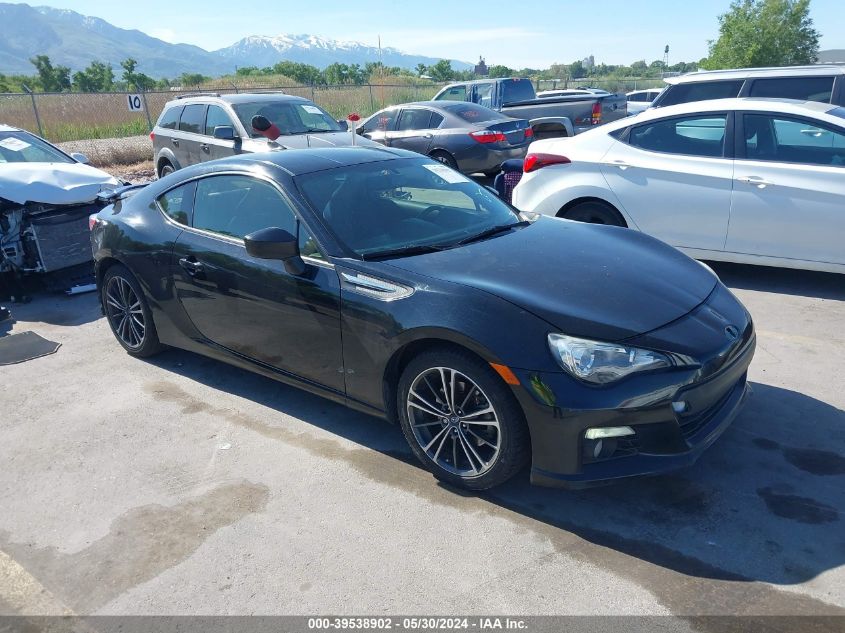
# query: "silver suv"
822, 82
196, 128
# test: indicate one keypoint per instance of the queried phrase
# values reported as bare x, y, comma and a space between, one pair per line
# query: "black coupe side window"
238, 205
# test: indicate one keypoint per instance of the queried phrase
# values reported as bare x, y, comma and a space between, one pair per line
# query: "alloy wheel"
125, 313
454, 422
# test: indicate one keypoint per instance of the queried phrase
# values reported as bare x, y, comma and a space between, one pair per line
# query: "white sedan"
756, 181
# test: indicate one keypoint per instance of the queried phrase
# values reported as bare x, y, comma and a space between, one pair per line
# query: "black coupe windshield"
291, 117
403, 206
20, 147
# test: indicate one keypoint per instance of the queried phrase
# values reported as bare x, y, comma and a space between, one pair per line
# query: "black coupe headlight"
602, 363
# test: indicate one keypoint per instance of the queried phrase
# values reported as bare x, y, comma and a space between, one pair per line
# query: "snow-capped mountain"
262, 50
75, 40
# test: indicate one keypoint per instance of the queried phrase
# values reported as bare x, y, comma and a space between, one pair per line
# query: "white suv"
822, 82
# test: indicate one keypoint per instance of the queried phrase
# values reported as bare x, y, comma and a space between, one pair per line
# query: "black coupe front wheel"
128, 314
460, 419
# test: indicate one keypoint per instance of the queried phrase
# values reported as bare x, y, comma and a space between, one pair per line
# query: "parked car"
466, 137
820, 82
756, 181
200, 127
549, 117
386, 281
640, 100
46, 196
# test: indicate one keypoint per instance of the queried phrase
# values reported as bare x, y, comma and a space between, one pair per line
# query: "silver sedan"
467, 137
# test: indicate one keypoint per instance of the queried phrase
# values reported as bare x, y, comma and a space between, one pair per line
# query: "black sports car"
387, 281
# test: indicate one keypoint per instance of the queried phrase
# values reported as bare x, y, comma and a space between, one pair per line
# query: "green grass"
61, 132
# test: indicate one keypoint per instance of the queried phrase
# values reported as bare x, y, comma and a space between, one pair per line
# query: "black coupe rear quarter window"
176, 203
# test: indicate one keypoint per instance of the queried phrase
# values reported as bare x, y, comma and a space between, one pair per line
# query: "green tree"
245, 71
335, 73
421, 69
193, 79
135, 81
577, 70
498, 71
442, 71
51, 78
300, 73
757, 33
97, 77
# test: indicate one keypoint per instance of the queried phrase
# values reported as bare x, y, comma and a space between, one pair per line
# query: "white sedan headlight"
601, 363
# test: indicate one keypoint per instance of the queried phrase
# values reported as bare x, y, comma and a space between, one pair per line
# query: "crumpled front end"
42, 238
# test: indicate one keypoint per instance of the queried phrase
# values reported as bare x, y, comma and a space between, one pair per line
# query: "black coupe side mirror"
344, 124
276, 243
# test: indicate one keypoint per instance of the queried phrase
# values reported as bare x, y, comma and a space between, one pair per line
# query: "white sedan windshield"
21, 147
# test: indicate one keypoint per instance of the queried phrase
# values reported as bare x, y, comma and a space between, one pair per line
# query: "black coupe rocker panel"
389, 283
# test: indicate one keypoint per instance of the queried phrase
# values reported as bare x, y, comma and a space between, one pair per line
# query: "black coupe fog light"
602, 442
599, 449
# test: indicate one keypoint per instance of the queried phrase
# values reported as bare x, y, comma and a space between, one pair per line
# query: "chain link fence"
72, 116
622, 85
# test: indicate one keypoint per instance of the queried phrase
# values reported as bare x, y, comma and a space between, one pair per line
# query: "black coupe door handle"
191, 266
204, 147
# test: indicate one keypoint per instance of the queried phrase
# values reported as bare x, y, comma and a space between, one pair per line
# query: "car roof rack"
188, 95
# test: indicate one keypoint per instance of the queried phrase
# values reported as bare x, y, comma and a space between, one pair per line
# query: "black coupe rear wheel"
460, 419
128, 314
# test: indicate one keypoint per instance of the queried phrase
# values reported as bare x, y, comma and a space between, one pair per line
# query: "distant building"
588, 62
481, 69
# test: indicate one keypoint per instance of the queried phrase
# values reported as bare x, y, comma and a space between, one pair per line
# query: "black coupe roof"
304, 161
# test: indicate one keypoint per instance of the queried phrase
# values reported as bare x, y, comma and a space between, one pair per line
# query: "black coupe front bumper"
664, 439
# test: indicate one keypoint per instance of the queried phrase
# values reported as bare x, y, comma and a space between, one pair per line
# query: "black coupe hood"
586, 280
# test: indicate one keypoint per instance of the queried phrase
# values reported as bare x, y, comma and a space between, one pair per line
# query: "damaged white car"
46, 197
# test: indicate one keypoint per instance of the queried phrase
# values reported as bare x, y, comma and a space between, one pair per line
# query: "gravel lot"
180, 485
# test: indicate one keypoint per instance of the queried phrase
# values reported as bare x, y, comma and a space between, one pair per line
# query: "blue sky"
504, 31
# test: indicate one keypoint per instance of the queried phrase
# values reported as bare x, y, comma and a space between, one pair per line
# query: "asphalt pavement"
180, 485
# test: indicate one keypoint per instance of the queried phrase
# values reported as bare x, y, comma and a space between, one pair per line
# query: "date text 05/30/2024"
481, 623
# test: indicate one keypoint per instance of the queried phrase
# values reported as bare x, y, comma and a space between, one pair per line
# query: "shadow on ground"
804, 283
759, 505
55, 309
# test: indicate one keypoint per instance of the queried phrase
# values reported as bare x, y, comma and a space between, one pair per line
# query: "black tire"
470, 432
166, 169
594, 212
446, 158
128, 314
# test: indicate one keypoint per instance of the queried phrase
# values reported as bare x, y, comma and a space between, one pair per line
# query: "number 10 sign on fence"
137, 103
